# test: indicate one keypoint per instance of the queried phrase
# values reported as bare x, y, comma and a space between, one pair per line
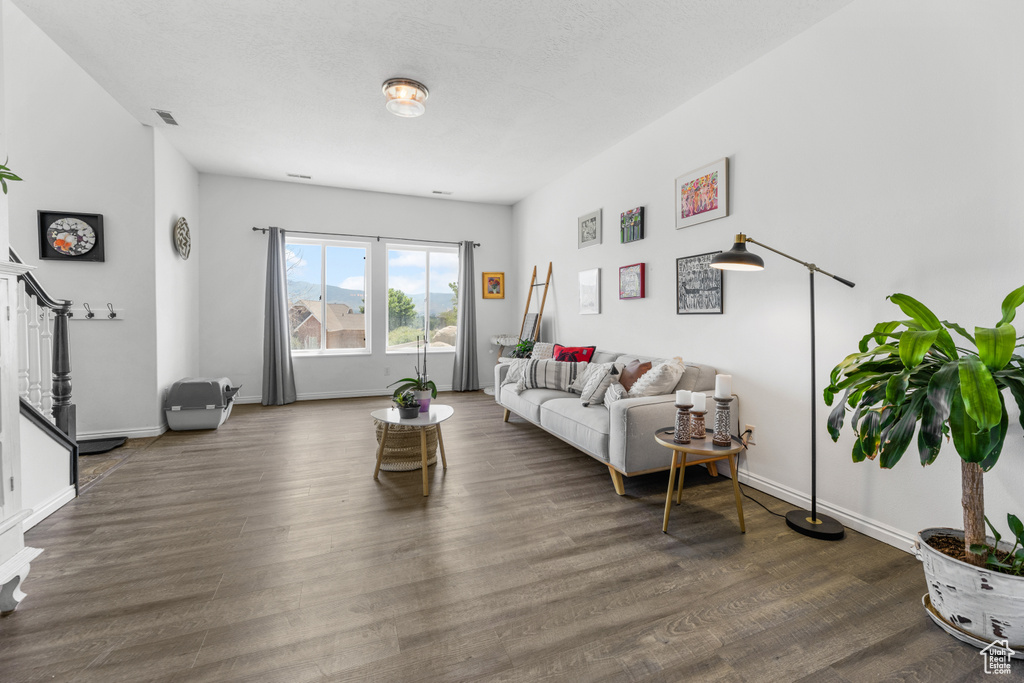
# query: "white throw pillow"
591, 369
543, 351
596, 387
514, 375
615, 392
660, 379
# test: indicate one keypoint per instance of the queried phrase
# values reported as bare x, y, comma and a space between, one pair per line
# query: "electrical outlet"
750, 437
387, 371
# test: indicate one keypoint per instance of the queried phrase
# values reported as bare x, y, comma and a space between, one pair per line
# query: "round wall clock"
182, 239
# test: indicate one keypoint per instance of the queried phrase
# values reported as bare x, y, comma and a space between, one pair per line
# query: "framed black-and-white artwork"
589, 230
65, 236
698, 285
590, 291
702, 194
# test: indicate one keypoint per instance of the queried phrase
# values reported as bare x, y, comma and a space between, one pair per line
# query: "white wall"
233, 277
886, 145
78, 150
176, 194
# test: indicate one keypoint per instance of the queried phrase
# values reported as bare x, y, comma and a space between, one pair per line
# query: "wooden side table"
705, 452
437, 414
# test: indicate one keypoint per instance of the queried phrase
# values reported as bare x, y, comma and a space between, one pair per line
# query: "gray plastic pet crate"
202, 403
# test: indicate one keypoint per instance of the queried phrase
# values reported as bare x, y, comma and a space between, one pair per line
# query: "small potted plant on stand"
911, 371
407, 405
425, 389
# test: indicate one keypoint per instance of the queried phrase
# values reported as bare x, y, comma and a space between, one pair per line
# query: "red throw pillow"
573, 354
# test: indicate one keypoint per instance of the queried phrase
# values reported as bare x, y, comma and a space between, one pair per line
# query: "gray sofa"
620, 436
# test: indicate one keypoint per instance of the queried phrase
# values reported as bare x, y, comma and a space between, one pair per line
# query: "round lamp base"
824, 528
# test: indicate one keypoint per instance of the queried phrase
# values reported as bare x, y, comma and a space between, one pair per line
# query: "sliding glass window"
423, 290
328, 301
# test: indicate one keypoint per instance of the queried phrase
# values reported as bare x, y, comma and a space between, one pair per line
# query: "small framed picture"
589, 230
494, 285
67, 236
631, 281
702, 194
631, 225
590, 291
698, 285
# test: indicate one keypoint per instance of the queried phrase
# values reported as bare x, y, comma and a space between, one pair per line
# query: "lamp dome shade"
405, 97
738, 258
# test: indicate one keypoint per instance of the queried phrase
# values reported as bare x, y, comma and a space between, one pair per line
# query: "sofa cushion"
528, 403
575, 354
543, 351
584, 427
632, 372
615, 392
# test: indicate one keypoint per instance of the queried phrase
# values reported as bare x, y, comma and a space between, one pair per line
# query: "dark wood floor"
265, 551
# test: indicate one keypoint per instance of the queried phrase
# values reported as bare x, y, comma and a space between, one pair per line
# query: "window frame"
413, 246
324, 243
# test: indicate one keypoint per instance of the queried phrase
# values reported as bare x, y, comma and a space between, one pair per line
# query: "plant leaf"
979, 391
896, 388
1010, 304
997, 436
959, 329
920, 313
870, 430
929, 437
835, 418
898, 438
996, 345
914, 345
1016, 527
970, 442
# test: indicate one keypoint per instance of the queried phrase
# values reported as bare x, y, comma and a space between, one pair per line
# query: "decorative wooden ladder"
534, 334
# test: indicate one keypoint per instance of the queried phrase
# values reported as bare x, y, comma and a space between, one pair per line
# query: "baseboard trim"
897, 538
139, 433
41, 512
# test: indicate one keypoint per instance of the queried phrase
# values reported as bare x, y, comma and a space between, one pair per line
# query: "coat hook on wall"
112, 315
88, 312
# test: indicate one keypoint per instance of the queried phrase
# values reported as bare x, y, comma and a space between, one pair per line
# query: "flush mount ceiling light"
405, 97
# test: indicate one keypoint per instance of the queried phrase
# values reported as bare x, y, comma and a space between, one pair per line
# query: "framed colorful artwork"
698, 285
702, 194
631, 282
494, 285
589, 230
631, 225
67, 236
590, 291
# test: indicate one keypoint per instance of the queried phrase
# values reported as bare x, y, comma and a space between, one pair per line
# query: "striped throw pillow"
549, 374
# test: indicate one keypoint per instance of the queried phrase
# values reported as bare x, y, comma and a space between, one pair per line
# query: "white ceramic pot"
424, 398
985, 604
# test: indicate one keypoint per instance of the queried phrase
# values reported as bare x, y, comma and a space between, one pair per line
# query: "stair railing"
44, 362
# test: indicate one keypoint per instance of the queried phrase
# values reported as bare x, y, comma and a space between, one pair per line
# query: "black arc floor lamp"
813, 525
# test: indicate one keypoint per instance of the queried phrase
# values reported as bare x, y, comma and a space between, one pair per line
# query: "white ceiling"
521, 91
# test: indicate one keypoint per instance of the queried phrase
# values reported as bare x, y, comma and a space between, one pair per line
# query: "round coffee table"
705, 452
437, 414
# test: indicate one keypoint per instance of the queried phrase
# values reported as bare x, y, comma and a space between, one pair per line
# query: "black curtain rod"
377, 237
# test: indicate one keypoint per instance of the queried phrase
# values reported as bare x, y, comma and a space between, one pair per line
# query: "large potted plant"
911, 371
423, 386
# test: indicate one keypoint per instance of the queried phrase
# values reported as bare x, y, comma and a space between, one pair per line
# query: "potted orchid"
421, 384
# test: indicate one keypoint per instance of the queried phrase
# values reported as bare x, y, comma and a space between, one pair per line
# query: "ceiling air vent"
298, 175
166, 116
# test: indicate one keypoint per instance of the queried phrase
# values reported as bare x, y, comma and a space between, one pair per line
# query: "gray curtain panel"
278, 379
465, 376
